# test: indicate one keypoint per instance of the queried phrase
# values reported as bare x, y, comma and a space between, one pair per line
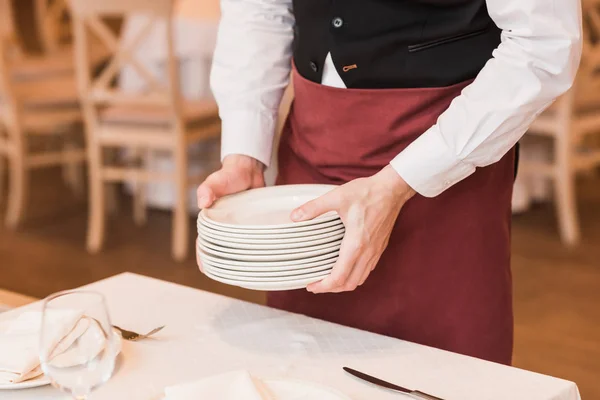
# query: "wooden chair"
56, 57
570, 123
157, 120
51, 17
43, 109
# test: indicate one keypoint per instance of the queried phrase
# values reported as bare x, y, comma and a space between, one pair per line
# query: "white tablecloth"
195, 30
208, 334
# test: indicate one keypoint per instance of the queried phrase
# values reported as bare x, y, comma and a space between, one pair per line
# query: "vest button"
337, 22
314, 66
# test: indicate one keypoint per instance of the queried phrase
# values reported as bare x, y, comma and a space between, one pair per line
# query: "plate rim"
266, 270
276, 240
268, 264
269, 251
331, 390
265, 230
265, 192
276, 257
264, 286
324, 272
293, 234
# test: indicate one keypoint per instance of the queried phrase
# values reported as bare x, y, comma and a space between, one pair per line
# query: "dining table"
208, 334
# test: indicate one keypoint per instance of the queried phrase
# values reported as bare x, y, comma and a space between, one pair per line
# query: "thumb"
205, 196
215, 186
319, 206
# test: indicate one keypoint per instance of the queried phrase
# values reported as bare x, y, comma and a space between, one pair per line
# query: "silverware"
133, 336
388, 385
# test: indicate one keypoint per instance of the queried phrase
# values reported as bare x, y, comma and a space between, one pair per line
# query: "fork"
134, 336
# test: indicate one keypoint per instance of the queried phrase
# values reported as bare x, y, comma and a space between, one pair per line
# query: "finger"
218, 184
328, 202
362, 268
354, 280
342, 269
371, 266
205, 194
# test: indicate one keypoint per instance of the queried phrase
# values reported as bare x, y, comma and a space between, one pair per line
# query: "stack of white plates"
249, 240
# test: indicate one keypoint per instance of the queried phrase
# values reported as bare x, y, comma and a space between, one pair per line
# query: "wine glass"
78, 347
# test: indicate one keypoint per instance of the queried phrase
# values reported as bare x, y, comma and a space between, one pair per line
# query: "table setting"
215, 347
132, 337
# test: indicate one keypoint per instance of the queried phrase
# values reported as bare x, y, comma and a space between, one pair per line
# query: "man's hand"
237, 174
369, 208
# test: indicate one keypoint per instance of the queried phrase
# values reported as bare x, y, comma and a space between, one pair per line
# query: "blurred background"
98, 171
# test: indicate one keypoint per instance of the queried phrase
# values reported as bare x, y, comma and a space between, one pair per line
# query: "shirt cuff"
429, 165
247, 133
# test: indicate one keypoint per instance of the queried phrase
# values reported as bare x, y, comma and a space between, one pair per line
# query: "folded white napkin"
237, 385
20, 337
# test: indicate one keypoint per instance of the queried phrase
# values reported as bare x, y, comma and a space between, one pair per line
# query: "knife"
391, 386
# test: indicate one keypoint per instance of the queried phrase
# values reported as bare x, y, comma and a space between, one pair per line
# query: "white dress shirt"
536, 62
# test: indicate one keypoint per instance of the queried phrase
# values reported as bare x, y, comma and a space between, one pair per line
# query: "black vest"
394, 43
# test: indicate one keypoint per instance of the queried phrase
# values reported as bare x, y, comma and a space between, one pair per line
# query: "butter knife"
388, 385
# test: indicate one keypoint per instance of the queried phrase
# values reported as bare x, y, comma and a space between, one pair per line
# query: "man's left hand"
369, 208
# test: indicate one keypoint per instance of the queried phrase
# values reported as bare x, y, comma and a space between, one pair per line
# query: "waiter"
414, 107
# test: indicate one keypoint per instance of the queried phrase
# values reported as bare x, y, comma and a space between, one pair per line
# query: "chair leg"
73, 172
140, 215
111, 194
17, 192
97, 203
2, 172
111, 191
18, 182
564, 188
180, 215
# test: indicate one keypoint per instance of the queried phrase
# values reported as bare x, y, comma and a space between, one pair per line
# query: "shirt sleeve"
536, 62
250, 71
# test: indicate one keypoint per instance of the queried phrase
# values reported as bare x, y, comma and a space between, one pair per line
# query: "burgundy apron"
445, 278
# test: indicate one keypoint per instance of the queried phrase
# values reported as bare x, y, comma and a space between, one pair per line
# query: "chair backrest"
591, 35
50, 17
7, 37
6, 18
96, 87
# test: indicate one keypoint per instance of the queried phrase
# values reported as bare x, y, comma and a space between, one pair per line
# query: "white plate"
43, 380
272, 233
262, 266
291, 389
266, 208
265, 251
303, 256
290, 247
308, 240
266, 286
296, 230
257, 279
327, 264
300, 390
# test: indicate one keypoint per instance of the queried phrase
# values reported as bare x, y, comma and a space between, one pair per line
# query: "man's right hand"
237, 174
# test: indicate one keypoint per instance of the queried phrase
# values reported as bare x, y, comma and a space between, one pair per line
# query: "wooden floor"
557, 291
